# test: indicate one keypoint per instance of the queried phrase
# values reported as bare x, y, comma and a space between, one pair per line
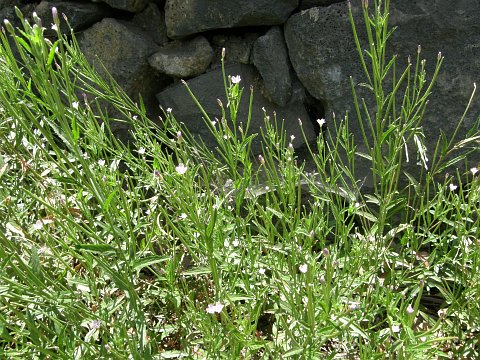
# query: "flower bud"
56, 20
261, 159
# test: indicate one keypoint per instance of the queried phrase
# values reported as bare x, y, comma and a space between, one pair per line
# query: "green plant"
162, 248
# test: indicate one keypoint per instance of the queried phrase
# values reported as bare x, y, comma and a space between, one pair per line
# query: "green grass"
161, 248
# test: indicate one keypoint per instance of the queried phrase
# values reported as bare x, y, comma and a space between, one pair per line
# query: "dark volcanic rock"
237, 48
183, 59
209, 87
322, 52
152, 21
128, 5
80, 15
123, 51
185, 18
307, 4
271, 60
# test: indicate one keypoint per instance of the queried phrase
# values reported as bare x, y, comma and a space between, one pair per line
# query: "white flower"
261, 159
181, 169
473, 170
141, 151
442, 313
453, 187
183, 216
353, 306
75, 104
95, 324
41, 222
261, 271
169, 110
215, 308
303, 268
321, 122
236, 79
235, 243
395, 328
54, 27
101, 162
410, 309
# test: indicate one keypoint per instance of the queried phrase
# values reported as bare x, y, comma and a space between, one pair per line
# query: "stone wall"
298, 54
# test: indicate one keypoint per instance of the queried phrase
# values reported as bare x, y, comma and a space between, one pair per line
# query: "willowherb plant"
162, 248
395, 121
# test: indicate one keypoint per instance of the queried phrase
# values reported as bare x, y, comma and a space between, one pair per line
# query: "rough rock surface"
80, 15
7, 11
307, 4
184, 18
152, 21
271, 60
209, 87
183, 59
237, 48
124, 52
128, 5
323, 54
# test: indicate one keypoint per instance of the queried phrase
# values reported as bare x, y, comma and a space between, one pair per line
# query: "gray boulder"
80, 15
323, 54
7, 11
152, 21
453, 29
209, 87
123, 52
185, 18
307, 4
134, 6
270, 57
237, 48
183, 59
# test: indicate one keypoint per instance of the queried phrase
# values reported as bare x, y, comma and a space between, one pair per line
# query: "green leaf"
96, 248
147, 261
24, 44
109, 200
275, 212
386, 134
363, 155
239, 297
51, 54
367, 216
197, 271
75, 129
35, 264
293, 352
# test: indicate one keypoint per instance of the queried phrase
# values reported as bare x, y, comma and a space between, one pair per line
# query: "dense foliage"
161, 248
